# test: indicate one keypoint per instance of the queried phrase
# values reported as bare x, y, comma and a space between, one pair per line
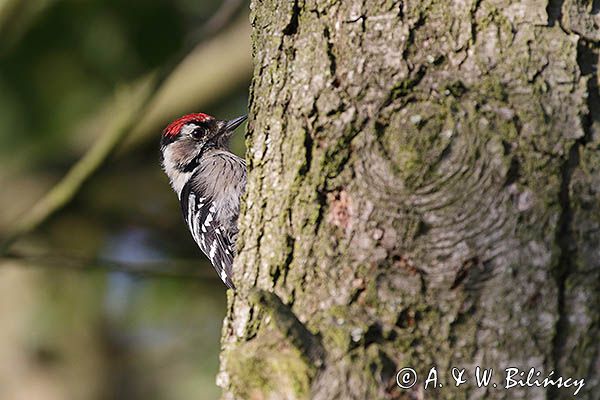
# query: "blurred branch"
207, 69
222, 17
185, 269
223, 65
17, 17
206, 76
65, 190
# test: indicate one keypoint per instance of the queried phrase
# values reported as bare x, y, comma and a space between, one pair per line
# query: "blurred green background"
75, 321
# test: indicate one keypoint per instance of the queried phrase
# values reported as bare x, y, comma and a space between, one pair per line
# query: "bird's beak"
234, 123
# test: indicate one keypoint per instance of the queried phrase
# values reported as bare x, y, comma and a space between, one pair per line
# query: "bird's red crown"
174, 127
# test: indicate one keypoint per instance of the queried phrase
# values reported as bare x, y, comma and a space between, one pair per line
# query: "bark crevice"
554, 11
292, 26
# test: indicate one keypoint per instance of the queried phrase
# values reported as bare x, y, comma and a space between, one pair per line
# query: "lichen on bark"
422, 191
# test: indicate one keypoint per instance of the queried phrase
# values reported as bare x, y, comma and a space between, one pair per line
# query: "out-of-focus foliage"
72, 57
76, 334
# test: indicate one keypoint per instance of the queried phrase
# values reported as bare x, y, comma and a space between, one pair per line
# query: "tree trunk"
424, 191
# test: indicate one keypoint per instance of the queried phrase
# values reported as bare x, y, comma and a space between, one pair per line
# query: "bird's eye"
198, 132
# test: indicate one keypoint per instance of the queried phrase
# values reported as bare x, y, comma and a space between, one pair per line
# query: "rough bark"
424, 190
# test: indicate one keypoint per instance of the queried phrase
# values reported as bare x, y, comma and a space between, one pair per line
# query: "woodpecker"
209, 181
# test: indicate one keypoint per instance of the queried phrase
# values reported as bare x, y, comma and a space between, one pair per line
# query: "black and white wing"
215, 240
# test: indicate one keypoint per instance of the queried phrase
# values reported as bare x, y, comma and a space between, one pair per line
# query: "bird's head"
187, 138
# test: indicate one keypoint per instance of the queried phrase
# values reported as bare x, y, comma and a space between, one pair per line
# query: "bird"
209, 181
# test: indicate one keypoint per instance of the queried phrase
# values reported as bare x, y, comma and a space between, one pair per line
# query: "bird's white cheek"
177, 178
